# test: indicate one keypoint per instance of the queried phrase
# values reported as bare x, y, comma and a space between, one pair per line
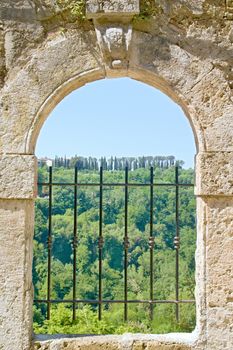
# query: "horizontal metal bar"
112, 184
88, 301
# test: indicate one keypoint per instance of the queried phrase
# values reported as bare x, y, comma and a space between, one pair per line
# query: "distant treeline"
113, 163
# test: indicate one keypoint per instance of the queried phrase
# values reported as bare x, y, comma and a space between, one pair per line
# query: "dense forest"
164, 231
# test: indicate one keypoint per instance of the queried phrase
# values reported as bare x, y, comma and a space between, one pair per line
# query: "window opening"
151, 241
114, 246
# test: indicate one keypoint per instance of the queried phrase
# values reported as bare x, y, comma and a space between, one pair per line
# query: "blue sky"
119, 117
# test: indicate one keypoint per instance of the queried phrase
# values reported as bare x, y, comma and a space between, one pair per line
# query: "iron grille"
101, 185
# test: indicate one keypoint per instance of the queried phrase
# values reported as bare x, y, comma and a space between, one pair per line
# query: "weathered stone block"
16, 292
155, 345
80, 343
109, 342
97, 8
214, 176
219, 271
32, 89
17, 176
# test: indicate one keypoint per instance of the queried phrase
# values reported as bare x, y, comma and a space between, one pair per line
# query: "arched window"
115, 218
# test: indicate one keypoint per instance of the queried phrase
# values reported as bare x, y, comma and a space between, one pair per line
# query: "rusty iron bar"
151, 242
177, 242
126, 246
116, 301
100, 242
49, 242
75, 243
117, 184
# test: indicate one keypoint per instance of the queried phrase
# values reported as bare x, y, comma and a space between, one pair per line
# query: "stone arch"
181, 62
49, 75
144, 76
63, 64
80, 80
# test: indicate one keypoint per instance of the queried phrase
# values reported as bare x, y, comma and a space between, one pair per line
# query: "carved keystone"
112, 20
114, 42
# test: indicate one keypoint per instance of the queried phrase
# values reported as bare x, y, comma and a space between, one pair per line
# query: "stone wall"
185, 49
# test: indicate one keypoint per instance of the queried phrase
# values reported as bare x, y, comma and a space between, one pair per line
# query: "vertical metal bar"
126, 246
151, 242
75, 241
177, 241
49, 242
100, 242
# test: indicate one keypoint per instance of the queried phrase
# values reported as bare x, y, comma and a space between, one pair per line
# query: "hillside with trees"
113, 163
164, 230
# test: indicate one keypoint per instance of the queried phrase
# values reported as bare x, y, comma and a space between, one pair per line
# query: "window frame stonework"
39, 71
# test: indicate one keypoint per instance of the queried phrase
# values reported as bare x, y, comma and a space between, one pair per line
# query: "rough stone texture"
90, 343
185, 50
200, 290
2, 57
17, 176
98, 8
16, 232
69, 55
124, 342
215, 176
219, 272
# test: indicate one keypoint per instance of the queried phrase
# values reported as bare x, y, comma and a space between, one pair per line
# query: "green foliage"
86, 323
148, 9
164, 230
76, 8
